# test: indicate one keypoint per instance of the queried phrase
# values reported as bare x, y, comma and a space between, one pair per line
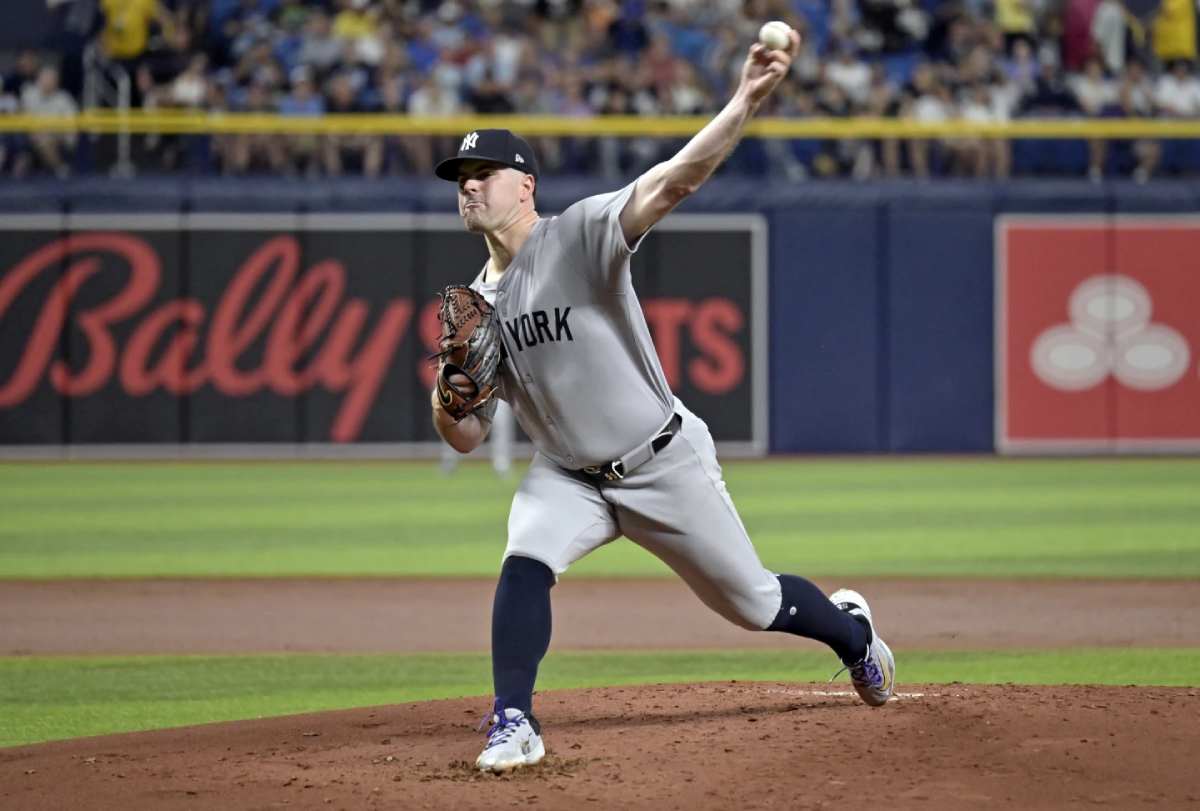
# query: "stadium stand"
923, 60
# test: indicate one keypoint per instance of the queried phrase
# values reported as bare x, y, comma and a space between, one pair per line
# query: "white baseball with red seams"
775, 35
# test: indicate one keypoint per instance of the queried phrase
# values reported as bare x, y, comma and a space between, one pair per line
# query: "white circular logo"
1070, 359
1152, 359
1110, 332
1110, 305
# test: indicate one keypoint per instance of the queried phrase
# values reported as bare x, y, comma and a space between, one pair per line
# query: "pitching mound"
724, 745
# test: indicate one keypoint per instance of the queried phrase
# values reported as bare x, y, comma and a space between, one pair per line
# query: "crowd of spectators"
928, 60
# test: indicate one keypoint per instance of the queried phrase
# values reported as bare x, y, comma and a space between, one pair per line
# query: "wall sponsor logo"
1110, 333
1098, 327
295, 315
234, 333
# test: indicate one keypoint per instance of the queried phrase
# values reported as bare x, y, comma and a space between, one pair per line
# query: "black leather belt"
618, 469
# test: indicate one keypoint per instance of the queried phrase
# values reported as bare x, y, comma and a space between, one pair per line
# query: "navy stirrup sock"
807, 612
520, 629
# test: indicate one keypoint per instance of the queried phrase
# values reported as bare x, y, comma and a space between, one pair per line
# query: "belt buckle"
610, 472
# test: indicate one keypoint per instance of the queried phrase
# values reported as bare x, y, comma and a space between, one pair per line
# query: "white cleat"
513, 741
874, 677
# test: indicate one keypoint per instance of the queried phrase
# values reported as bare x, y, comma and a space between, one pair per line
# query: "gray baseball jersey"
582, 374
585, 383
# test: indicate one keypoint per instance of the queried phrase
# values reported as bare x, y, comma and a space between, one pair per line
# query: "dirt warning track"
407, 615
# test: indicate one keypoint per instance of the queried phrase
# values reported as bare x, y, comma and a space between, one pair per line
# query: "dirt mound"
723, 745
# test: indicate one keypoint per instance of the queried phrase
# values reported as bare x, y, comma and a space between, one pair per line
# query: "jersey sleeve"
591, 230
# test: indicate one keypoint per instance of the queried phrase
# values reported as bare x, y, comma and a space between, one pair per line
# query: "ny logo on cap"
469, 141
518, 158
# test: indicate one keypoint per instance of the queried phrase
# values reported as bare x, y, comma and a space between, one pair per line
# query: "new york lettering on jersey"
531, 329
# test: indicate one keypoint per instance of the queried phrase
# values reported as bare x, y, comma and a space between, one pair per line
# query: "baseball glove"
470, 354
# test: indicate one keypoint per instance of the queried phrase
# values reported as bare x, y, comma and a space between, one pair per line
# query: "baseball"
775, 35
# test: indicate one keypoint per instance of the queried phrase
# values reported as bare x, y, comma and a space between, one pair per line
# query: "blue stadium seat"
1180, 156
805, 150
817, 15
899, 66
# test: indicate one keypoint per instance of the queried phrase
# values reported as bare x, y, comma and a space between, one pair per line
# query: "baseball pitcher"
553, 326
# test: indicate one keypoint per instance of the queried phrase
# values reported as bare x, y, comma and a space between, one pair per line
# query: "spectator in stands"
928, 102
490, 96
186, 89
884, 101
257, 152
1021, 68
356, 19
1078, 42
850, 74
127, 29
1094, 94
1177, 93
45, 98
190, 88
687, 95
402, 153
320, 50
894, 24
975, 156
1051, 96
854, 157
364, 152
1175, 31
167, 57
1109, 31
25, 71
304, 151
257, 65
1015, 19
591, 57
1093, 90
1135, 99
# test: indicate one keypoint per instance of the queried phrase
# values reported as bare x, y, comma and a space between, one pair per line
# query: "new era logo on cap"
498, 146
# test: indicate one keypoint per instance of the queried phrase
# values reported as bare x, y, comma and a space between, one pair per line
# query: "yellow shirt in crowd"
126, 26
350, 24
1014, 16
1175, 30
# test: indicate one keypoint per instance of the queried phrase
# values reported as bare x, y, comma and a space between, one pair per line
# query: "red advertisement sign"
1098, 333
216, 329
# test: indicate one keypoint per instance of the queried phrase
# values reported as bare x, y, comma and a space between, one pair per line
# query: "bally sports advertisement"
262, 328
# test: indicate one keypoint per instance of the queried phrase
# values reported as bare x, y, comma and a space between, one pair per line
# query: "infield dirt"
712, 746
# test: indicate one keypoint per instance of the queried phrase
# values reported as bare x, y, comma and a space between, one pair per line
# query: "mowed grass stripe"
820, 517
365, 508
51, 698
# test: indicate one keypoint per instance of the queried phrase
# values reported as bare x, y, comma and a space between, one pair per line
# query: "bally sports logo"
1097, 326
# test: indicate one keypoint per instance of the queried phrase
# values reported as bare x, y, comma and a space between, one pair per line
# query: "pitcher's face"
491, 194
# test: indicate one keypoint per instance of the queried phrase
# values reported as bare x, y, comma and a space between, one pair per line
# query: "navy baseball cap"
499, 146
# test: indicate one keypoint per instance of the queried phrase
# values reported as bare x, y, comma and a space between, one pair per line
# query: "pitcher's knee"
526, 573
754, 612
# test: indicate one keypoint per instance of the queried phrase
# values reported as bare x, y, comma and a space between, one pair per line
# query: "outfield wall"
885, 325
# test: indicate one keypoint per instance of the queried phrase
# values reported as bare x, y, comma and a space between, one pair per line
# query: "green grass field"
969, 517
49, 698
974, 517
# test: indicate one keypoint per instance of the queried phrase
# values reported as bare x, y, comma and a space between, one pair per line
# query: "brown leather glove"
471, 350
